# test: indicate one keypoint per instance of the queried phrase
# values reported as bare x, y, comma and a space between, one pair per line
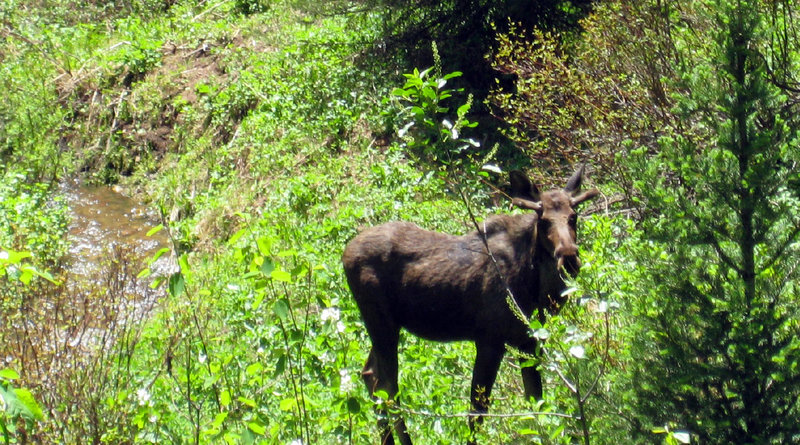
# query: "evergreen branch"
785, 245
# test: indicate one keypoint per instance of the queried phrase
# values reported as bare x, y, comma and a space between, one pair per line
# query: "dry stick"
468, 415
512, 302
603, 364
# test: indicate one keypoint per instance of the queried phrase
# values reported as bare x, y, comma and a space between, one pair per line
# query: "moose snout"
567, 259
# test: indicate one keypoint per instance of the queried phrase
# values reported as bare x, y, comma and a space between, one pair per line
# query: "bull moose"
449, 288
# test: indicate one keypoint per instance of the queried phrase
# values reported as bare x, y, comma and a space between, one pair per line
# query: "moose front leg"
487, 362
531, 377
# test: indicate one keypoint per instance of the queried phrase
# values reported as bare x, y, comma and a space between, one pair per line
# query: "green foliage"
18, 404
259, 138
427, 126
248, 7
721, 357
579, 101
30, 219
463, 29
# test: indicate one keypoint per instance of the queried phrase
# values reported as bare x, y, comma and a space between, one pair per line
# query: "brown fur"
447, 288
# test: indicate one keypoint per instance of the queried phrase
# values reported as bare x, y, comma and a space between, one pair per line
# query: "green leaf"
236, 236
257, 428
155, 230
353, 405
157, 282
225, 398
177, 285
218, 420
400, 92
281, 309
9, 374
249, 402
183, 262
158, 255
281, 275
267, 266
288, 404
26, 276
254, 369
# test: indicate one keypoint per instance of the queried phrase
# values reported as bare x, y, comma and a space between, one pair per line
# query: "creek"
108, 226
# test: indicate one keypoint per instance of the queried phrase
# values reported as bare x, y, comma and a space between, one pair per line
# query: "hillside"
266, 134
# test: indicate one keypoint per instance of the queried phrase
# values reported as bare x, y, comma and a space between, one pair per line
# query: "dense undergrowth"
267, 134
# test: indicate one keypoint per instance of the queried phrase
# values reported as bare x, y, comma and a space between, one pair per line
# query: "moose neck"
550, 284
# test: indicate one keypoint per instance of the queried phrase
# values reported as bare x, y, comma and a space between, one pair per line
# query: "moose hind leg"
380, 374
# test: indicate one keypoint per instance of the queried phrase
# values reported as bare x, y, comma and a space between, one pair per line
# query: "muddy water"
102, 220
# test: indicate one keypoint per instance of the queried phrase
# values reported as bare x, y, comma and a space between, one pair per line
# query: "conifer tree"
718, 351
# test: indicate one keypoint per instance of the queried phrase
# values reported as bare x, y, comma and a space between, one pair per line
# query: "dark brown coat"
446, 288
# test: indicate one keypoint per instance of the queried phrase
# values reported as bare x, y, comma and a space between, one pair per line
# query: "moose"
465, 288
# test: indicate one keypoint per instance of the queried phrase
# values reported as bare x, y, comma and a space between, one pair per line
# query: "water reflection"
103, 219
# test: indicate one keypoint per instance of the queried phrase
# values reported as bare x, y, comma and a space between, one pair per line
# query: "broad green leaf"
158, 254
281, 275
281, 309
217, 423
288, 404
183, 262
177, 285
267, 266
257, 428
9, 374
236, 236
249, 402
353, 405
225, 398
254, 369
157, 282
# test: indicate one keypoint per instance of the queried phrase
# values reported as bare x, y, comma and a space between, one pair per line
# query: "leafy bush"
586, 100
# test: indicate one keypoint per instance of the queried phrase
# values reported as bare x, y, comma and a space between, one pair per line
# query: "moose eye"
573, 220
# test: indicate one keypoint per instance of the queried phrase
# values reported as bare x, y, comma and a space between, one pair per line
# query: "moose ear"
574, 184
523, 193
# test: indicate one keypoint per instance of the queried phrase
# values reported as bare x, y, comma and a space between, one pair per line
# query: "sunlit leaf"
9, 374
177, 285
249, 402
281, 275
288, 404
281, 309
682, 436
236, 236
155, 230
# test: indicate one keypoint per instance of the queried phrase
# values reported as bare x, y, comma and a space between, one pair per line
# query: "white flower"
329, 313
345, 381
143, 396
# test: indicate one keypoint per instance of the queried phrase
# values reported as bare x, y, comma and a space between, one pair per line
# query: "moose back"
446, 288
